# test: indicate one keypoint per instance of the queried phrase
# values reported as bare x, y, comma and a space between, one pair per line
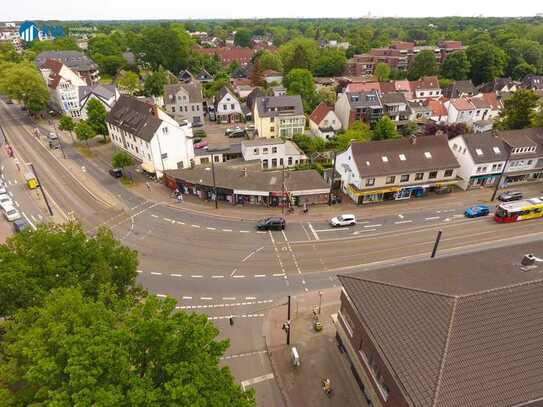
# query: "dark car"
509, 196
20, 224
271, 224
238, 133
116, 172
335, 199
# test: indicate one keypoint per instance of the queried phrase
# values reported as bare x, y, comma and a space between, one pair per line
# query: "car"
509, 196
5, 200
230, 130
11, 213
201, 144
271, 224
477, 211
19, 225
238, 133
3, 189
116, 172
53, 140
335, 199
197, 124
343, 220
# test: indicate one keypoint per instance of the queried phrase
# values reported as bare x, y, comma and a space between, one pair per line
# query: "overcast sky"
191, 9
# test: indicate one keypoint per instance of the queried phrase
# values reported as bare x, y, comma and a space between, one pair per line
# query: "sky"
208, 9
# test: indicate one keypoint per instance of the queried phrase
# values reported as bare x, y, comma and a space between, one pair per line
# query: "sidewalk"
320, 356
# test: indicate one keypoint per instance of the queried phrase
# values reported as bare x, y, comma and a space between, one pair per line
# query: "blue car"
476, 211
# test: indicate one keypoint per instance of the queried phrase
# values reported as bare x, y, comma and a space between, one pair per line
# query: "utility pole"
436, 244
214, 184
320, 301
283, 200
4, 134
160, 152
288, 321
41, 188
333, 179
500, 177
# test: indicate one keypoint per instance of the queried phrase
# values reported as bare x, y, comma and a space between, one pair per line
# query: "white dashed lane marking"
432, 218
401, 222
236, 316
241, 355
154, 273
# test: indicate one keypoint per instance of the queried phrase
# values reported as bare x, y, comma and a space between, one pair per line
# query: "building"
246, 183
460, 89
105, 94
184, 101
498, 85
204, 76
324, 122
426, 87
228, 107
358, 106
396, 169
279, 116
395, 106
217, 153
439, 112
467, 110
273, 153
227, 55
150, 135
461, 330
78, 62
525, 155
272, 76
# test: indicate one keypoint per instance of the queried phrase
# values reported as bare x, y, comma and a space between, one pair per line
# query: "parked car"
335, 199
53, 140
3, 189
19, 225
197, 124
477, 211
201, 144
509, 196
116, 172
271, 224
343, 220
240, 133
5, 200
11, 213
231, 130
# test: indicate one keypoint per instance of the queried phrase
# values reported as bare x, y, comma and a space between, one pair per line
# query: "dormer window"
427, 154
496, 150
384, 158
478, 151
368, 163
402, 157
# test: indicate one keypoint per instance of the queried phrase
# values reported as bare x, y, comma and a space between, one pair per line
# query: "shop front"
309, 197
372, 195
276, 201
480, 181
243, 197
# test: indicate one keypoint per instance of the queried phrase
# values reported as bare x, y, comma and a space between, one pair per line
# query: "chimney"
244, 172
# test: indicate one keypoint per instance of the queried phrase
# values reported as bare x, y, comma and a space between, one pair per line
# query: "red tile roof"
271, 72
363, 87
437, 107
320, 113
426, 82
462, 104
492, 99
227, 54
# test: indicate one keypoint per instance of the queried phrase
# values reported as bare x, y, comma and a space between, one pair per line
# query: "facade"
396, 169
358, 106
150, 135
184, 101
395, 106
279, 116
228, 107
426, 87
228, 55
273, 153
78, 62
467, 110
324, 122
454, 331
105, 94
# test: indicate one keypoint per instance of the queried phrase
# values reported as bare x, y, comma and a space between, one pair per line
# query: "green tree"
242, 38
424, 64
121, 159
61, 255
129, 81
66, 123
109, 351
110, 64
24, 83
456, 66
84, 131
384, 129
154, 83
518, 110
524, 56
309, 144
8, 53
487, 62
538, 121
382, 72
328, 95
410, 128
330, 62
270, 60
523, 69
96, 117
298, 53
300, 82
359, 132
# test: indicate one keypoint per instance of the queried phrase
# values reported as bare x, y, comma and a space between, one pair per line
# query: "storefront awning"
148, 167
356, 192
445, 183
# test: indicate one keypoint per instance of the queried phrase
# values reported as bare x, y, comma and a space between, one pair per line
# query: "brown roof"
363, 87
426, 82
227, 54
320, 113
437, 107
479, 103
55, 67
135, 117
369, 156
493, 100
462, 104
193, 89
463, 330
523, 138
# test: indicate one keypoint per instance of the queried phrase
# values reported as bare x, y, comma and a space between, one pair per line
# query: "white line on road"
251, 254
373, 226
217, 276
176, 275
154, 216
233, 272
10, 193
401, 222
250, 298
206, 298
458, 216
228, 298
260, 275
236, 316
33, 218
210, 228
239, 276
284, 235
139, 271
180, 223
240, 355
432, 218
244, 231
260, 231
17, 204
278, 274
154, 273
400, 216
367, 230
167, 219
332, 230
227, 230
197, 276
186, 298
29, 221
161, 295
196, 226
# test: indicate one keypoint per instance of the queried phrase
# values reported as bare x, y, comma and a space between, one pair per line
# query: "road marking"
154, 216
139, 271
161, 295
284, 235
251, 254
260, 231
217, 276
210, 228
400, 216
17, 204
458, 216
256, 380
241, 355
233, 272
180, 223
206, 298
373, 226
186, 298
236, 316
401, 222
432, 218
244, 231
196, 226
167, 219
154, 273
228, 298
29, 221
197, 276
367, 230
260, 275
339, 229
176, 275
250, 298
236, 276
278, 274
33, 218
10, 193
40, 217
227, 230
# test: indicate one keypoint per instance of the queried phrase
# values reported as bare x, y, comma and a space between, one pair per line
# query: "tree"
328, 95
242, 38
298, 53
456, 66
309, 144
257, 75
384, 129
359, 131
129, 81
523, 69
84, 131
538, 122
382, 72
8, 53
110, 351
330, 62
154, 83
96, 117
424, 64
62, 255
518, 110
487, 62
66, 123
300, 82
410, 128
270, 60
121, 159
24, 83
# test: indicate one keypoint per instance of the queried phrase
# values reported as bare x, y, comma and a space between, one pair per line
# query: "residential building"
244, 90
426, 87
460, 89
447, 47
186, 76
184, 101
250, 100
279, 116
395, 106
228, 107
273, 153
361, 106
396, 169
228, 55
107, 95
279, 91
467, 110
272, 76
217, 153
150, 135
457, 330
533, 82
439, 112
204, 76
78, 62
525, 153
498, 85
324, 122
420, 112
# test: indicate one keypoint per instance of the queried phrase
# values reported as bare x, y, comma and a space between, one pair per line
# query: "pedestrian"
180, 197
306, 209
148, 186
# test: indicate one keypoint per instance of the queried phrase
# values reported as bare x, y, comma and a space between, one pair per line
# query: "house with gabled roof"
204, 76
358, 106
279, 116
107, 95
324, 122
228, 107
184, 101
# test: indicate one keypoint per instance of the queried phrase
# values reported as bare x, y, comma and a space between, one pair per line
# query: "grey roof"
364, 99
485, 143
463, 330
194, 90
72, 59
533, 82
135, 117
459, 88
218, 149
369, 156
263, 142
273, 106
224, 91
393, 98
104, 92
251, 97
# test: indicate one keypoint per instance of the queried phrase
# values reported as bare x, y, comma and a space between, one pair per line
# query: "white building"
150, 135
184, 101
324, 122
228, 107
467, 110
105, 94
273, 154
279, 116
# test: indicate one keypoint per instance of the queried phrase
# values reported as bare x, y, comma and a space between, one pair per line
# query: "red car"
201, 144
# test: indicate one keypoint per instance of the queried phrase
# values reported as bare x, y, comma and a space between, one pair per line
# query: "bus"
519, 210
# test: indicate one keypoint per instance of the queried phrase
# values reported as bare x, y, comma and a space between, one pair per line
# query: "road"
224, 267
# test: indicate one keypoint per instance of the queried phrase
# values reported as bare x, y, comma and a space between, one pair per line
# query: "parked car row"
11, 213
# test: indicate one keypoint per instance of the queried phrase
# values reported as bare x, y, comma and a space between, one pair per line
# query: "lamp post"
214, 184
332, 180
500, 177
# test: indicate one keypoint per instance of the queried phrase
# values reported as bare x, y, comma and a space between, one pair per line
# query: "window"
427, 154
272, 129
224, 107
255, 151
530, 162
216, 158
370, 182
197, 108
186, 109
432, 175
281, 162
165, 130
402, 157
173, 109
264, 164
404, 178
204, 160
164, 156
290, 161
419, 176
274, 150
448, 173
265, 150
390, 179
274, 162
192, 107
232, 106
272, 119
